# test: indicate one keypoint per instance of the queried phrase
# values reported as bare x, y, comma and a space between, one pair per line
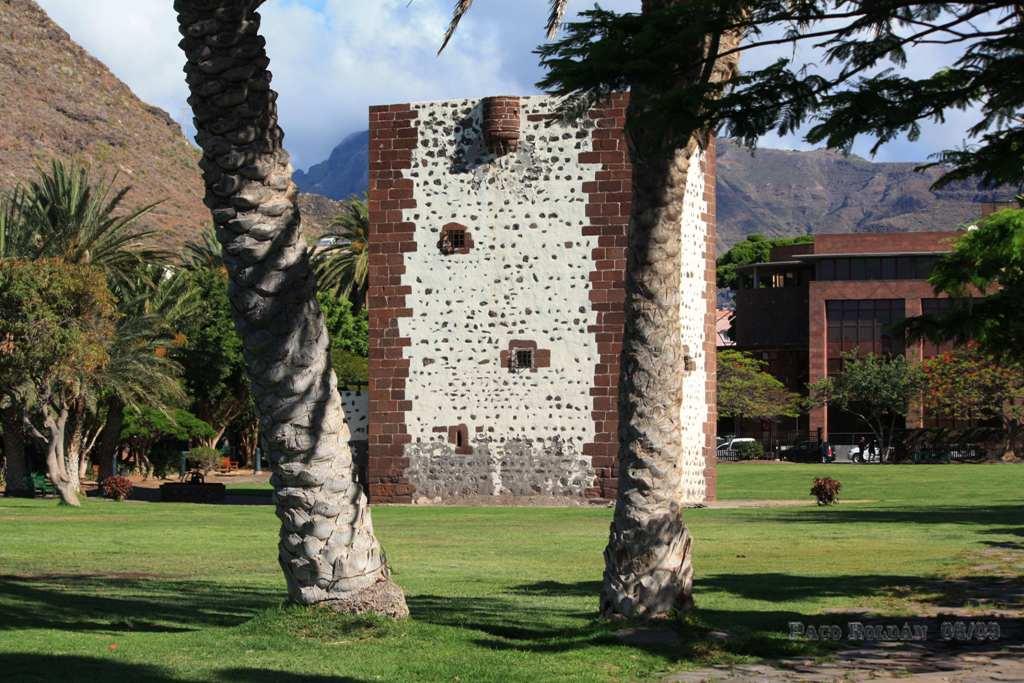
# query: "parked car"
870, 453
810, 451
730, 443
738, 448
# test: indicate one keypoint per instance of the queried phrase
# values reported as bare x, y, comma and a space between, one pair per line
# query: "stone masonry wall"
541, 272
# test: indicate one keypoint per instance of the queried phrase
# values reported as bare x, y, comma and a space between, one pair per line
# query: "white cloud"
330, 66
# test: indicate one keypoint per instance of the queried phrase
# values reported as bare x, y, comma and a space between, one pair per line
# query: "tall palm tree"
343, 268
648, 560
328, 551
140, 373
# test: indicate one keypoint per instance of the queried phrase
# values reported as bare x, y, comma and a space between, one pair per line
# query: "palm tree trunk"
110, 438
327, 548
648, 564
16, 477
648, 560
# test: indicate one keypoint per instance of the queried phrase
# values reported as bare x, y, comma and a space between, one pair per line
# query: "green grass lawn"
161, 592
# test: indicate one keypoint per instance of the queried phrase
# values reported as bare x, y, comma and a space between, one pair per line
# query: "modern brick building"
811, 303
498, 240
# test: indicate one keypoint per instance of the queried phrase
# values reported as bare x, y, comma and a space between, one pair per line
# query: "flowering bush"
117, 488
826, 490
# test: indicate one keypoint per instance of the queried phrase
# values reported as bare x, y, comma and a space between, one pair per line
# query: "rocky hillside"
780, 193
57, 101
345, 173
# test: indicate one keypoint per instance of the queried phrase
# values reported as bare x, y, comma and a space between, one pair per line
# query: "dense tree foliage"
350, 343
984, 274
878, 390
968, 385
857, 90
746, 390
753, 249
210, 351
57, 323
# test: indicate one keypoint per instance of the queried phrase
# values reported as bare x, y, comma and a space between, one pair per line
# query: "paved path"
918, 665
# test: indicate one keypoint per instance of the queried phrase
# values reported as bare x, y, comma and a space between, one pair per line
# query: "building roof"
723, 322
888, 243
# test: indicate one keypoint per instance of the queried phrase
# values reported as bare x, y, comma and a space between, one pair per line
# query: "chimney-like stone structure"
502, 122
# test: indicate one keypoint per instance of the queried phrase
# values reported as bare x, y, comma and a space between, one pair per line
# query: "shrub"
165, 460
749, 450
204, 459
352, 369
826, 490
117, 488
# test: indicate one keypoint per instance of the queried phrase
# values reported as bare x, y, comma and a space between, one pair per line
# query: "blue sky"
333, 58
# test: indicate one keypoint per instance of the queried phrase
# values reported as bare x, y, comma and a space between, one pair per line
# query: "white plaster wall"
356, 405
526, 277
693, 307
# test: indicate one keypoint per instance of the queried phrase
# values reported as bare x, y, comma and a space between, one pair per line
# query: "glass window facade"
863, 325
876, 267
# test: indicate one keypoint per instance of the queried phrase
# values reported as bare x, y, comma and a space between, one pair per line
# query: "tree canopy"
343, 269
745, 390
984, 275
878, 390
859, 88
56, 323
210, 352
968, 385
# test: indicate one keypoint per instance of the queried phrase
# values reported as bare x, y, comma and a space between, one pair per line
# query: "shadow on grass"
125, 603
982, 515
998, 591
24, 666
506, 624
711, 636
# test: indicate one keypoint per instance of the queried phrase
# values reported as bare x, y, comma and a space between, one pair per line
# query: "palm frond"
558, 10
207, 252
15, 240
461, 7
343, 268
68, 216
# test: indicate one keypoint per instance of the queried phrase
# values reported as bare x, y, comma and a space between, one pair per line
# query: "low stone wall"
192, 493
549, 467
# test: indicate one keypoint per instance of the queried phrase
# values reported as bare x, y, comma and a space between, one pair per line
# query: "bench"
227, 465
41, 484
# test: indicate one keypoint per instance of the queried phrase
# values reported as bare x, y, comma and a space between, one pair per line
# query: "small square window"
457, 239
522, 359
